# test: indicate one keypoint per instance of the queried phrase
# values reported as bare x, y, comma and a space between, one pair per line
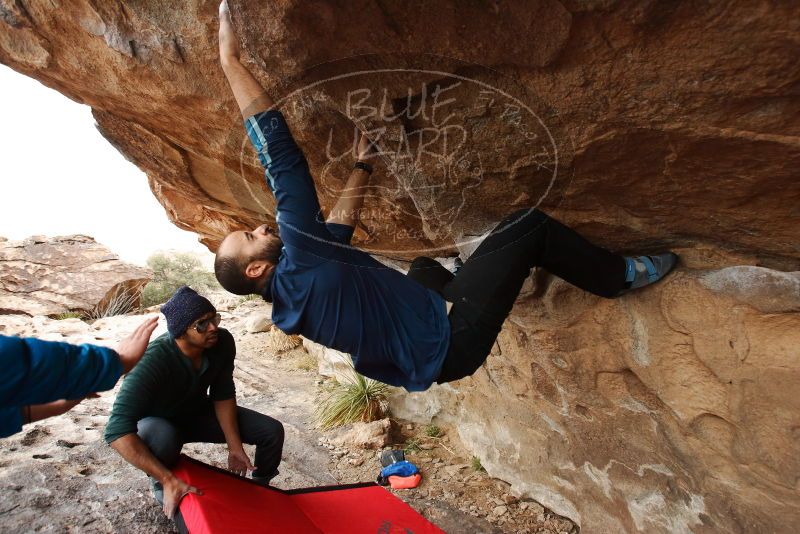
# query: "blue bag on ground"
401, 469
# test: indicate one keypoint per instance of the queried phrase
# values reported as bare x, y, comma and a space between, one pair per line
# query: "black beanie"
183, 308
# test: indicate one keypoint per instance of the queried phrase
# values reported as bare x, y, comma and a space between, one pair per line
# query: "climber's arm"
287, 173
347, 210
248, 93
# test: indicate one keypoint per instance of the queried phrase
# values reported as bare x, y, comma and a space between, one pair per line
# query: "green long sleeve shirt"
164, 384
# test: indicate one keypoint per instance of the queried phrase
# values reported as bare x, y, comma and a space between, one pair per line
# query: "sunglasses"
202, 326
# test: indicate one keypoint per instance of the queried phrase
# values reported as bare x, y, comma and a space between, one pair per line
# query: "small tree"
171, 271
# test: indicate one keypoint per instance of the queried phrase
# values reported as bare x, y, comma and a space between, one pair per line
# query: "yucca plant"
356, 398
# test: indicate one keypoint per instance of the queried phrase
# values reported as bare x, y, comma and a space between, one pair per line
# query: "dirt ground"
59, 476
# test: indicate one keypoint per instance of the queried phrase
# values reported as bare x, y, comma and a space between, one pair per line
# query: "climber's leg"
492, 277
430, 273
489, 282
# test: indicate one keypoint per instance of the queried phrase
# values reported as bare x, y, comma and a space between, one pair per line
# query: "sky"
59, 176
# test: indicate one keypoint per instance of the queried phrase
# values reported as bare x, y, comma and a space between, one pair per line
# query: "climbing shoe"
642, 271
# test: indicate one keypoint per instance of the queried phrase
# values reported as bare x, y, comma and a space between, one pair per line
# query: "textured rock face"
672, 410
643, 124
48, 276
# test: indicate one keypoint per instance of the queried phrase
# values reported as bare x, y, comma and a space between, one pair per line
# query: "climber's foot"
645, 270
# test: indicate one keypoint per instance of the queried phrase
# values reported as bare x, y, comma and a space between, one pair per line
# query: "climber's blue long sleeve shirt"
33, 371
332, 293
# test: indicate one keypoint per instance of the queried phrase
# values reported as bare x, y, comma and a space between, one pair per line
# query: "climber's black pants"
489, 282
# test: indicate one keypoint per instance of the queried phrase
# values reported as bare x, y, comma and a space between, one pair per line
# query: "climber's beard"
270, 249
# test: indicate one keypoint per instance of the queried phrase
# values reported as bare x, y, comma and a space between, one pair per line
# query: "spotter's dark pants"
165, 437
485, 288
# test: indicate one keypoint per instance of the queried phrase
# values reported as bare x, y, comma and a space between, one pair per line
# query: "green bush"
171, 271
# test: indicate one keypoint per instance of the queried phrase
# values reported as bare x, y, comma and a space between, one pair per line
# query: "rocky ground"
59, 476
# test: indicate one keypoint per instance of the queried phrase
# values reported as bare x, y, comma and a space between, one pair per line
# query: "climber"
398, 329
40, 379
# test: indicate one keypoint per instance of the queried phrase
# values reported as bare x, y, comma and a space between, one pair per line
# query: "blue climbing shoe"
645, 270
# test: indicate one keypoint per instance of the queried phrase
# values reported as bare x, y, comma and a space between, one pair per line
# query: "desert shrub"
433, 431
476, 464
171, 271
357, 398
412, 445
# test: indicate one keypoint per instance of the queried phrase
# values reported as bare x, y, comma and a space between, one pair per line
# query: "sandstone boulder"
373, 435
258, 322
49, 276
643, 123
332, 363
672, 409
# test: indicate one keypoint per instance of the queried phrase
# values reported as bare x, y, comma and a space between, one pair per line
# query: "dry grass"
124, 300
279, 342
248, 298
68, 315
306, 362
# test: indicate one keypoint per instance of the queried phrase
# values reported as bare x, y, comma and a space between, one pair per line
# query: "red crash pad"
231, 503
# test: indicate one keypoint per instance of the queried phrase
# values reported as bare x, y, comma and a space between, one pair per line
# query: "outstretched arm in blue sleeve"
34, 372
